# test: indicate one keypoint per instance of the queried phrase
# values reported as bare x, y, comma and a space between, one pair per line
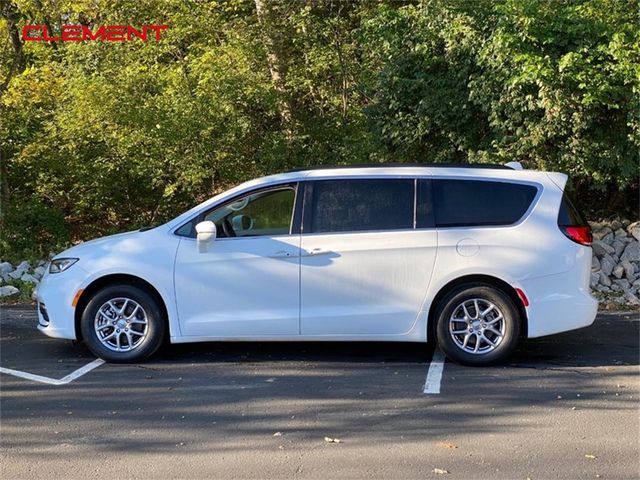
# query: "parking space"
564, 407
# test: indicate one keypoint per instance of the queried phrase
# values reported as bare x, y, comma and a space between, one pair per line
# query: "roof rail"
492, 166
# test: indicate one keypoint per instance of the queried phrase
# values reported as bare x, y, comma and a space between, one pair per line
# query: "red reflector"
523, 298
581, 235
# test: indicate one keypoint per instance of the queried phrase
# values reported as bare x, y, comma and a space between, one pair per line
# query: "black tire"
155, 327
452, 345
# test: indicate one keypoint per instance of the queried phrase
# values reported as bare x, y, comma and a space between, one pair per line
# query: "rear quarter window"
569, 215
467, 203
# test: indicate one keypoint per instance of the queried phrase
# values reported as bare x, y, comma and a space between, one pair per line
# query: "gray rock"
620, 233
602, 288
629, 269
607, 264
618, 247
5, 267
618, 271
636, 283
8, 290
38, 272
615, 224
599, 232
594, 279
15, 274
604, 279
608, 238
41, 263
632, 252
595, 263
631, 298
28, 278
622, 283
34, 294
600, 248
24, 265
634, 230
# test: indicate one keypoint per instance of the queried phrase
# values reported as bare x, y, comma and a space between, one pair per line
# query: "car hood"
106, 244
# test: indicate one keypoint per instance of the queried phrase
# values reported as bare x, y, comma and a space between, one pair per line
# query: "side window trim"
429, 219
294, 226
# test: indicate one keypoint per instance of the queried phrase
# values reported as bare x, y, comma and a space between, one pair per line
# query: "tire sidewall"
156, 324
495, 296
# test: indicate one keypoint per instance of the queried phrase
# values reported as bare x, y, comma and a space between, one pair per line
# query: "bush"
32, 231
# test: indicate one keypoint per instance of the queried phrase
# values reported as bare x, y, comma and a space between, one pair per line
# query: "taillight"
581, 235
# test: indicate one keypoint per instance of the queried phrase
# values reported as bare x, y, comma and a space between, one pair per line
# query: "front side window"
359, 205
467, 203
265, 213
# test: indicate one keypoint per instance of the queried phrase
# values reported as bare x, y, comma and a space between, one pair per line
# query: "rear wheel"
477, 324
123, 323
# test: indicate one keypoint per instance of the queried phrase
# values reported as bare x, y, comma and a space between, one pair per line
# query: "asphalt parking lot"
565, 406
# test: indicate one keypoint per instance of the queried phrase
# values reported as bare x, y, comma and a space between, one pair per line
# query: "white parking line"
53, 381
434, 375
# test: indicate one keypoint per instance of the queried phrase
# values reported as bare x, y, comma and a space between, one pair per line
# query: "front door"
247, 283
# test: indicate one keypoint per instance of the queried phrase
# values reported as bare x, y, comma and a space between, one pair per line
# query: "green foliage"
31, 231
99, 137
26, 291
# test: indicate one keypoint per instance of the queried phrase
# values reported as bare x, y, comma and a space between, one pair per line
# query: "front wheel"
123, 323
477, 325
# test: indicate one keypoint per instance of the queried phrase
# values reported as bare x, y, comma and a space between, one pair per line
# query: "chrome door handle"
318, 251
282, 253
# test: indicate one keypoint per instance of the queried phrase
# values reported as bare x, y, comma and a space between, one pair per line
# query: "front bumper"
55, 293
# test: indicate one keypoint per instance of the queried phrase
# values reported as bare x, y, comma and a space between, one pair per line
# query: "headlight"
61, 264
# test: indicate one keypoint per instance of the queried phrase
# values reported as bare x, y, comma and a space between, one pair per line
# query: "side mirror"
206, 233
242, 223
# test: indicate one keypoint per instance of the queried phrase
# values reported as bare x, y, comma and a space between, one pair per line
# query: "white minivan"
474, 256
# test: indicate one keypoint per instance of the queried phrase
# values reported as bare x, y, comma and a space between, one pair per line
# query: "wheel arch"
477, 278
112, 279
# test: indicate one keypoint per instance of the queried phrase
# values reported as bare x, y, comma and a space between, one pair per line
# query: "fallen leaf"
332, 440
447, 445
590, 456
440, 471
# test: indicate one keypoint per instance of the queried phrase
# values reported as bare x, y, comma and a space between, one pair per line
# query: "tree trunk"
275, 62
10, 13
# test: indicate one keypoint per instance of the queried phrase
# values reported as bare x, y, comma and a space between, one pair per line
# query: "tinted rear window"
569, 215
360, 205
466, 203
